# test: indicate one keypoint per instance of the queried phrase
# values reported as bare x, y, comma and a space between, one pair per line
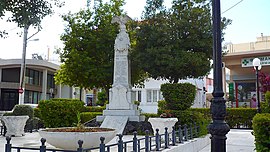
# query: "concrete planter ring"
69, 140
15, 125
161, 123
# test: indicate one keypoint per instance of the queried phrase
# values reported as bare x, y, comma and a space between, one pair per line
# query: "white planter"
69, 140
15, 125
161, 123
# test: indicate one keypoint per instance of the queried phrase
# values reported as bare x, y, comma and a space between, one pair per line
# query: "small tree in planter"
63, 119
178, 96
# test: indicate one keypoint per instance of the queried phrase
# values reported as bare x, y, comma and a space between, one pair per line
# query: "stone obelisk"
120, 103
120, 95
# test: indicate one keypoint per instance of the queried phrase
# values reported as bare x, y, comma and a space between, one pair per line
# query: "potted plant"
67, 137
57, 114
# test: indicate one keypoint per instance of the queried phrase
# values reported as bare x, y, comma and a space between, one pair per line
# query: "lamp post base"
218, 128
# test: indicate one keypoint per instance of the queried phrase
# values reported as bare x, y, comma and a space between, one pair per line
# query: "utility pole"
23, 64
23, 67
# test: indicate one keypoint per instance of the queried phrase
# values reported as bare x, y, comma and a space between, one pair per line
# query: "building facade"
238, 60
39, 83
150, 94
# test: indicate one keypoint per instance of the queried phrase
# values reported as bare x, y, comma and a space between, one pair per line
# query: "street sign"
20, 90
231, 91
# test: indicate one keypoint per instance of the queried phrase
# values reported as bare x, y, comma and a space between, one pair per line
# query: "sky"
249, 18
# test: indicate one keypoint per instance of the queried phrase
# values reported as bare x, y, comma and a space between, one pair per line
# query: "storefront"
242, 84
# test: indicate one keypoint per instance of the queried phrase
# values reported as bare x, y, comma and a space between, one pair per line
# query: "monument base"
133, 115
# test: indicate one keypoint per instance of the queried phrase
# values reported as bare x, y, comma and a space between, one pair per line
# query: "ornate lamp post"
257, 66
218, 128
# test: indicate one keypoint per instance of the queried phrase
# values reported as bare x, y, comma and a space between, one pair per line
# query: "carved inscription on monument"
121, 70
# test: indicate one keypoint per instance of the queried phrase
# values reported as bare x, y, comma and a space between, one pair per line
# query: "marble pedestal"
132, 114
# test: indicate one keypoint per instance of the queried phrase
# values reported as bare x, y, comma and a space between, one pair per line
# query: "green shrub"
8, 114
94, 109
102, 98
150, 115
162, 105
86, 116
20, 110
261, 128
205, 111
237, 117
37, 112
60, 112
265, 106
178, 96
190, 117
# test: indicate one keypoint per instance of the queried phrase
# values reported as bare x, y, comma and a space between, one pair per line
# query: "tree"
264, 80
175, 43
89, 46
27, 13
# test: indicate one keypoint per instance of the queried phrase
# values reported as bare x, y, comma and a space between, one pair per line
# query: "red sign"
20, 90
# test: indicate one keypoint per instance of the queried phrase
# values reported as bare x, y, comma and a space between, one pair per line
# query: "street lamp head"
256, 62
260, 67
34, 40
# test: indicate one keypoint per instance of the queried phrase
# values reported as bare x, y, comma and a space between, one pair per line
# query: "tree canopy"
89, 46
27, 13
175, 43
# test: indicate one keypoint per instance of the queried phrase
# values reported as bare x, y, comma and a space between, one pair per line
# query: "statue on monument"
122, 41
121, 90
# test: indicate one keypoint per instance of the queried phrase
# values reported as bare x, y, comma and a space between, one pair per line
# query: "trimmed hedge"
190, 117
37, 113
205, 111
178, 96
265, 106
20, 110
87, 116
235, 117
150, 115
60, 112
94, 109
261, 130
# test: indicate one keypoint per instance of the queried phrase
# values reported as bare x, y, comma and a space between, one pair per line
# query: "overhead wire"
232, 7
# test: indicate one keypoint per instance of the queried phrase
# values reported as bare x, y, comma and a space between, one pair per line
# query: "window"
139, 96
11, 75
153, 95
149, 95
136, 95
50, 81
31, 97
32, 77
